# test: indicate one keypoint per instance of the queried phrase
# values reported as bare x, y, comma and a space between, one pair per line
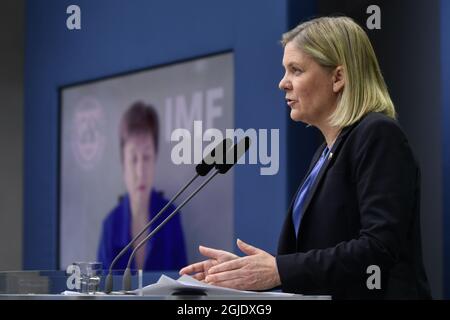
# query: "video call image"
98, 177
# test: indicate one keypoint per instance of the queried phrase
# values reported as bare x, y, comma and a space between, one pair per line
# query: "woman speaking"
357, 210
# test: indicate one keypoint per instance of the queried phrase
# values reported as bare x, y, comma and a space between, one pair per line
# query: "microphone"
201, 169
234, 154
209, 161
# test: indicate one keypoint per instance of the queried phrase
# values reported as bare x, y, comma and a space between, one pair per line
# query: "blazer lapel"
322, 171
311, 166
288, 226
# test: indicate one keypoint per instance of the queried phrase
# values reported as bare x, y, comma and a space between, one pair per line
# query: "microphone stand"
126, 283
109, 279
202, 169
232, 155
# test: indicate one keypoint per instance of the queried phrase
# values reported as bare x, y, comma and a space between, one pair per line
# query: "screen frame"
92, 81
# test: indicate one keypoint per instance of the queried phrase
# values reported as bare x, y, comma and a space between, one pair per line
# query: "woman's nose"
284, 84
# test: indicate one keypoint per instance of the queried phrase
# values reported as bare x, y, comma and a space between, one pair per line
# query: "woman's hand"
200, 270
256, 271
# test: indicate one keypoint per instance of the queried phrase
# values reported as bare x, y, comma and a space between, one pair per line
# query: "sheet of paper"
167, 286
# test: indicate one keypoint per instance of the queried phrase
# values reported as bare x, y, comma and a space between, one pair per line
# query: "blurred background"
39, 55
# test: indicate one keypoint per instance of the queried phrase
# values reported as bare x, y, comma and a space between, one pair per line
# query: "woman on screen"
138, 150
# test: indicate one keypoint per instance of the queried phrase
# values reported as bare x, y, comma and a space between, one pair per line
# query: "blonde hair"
339, 41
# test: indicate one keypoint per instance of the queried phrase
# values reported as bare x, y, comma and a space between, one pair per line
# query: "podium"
52, 284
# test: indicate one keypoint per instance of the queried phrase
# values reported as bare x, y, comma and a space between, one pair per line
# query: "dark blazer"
363, 209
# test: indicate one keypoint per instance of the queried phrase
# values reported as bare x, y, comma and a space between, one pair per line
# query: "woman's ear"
338, 79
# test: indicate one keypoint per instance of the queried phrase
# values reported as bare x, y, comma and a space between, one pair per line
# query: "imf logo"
87, 137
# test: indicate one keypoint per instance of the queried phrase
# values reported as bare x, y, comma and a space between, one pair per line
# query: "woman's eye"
297, 70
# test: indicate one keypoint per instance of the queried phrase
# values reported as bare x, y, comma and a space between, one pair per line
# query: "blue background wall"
116, 38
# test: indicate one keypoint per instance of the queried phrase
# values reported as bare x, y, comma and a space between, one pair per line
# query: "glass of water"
90, 276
